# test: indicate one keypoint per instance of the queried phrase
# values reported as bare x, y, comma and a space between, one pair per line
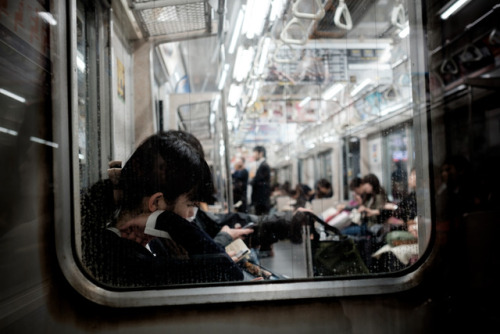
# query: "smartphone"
241, 254
249, 225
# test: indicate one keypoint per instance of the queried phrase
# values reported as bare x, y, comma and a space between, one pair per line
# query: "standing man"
261, 182
240, 183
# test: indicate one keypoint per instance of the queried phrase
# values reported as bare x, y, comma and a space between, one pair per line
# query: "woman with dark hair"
161, 185
323, 189
374, 199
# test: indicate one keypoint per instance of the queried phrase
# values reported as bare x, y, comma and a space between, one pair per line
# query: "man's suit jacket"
261, 185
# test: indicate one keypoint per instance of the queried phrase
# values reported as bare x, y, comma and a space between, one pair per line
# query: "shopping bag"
337, 254
341, 220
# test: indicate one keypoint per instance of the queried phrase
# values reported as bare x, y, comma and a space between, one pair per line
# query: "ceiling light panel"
169, 17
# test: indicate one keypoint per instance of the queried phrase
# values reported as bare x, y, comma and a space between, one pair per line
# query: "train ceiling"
193, 26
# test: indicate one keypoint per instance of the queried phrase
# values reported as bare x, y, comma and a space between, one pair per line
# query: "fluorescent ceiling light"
236, 31
255, 17
386, 55
223, 76
234, 94
453, 8
47, 17
215, 105
332, 91
243, 63
263, 55
304, 101
44, 142
405, 32
255, 93
8, 131
361, 86
231, 114
12, 95
276, 9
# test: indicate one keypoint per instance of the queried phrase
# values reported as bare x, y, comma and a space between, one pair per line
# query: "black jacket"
118, 262
261, 185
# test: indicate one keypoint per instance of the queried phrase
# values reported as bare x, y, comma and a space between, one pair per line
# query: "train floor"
288, 260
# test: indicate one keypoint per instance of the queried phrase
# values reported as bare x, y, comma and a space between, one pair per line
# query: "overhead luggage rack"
172, 18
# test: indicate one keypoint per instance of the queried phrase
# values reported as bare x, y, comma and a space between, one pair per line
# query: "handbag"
336, 255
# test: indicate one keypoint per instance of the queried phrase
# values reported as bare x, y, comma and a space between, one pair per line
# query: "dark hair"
170, 162
324, 183
355, 183
372, 179
260, 149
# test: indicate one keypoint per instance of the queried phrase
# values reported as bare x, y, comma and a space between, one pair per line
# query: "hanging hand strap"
343, 11
398, 18
317, 16
284, 34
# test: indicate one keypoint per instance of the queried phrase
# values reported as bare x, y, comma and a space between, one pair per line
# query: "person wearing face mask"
151, 241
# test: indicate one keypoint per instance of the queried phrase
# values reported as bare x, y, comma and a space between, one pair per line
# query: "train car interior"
378, 123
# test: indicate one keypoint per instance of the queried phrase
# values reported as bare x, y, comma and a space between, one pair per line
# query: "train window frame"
67, 206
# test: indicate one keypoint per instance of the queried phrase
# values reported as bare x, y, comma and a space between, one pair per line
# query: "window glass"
333, 107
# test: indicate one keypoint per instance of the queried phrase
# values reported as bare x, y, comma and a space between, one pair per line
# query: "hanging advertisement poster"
289, 112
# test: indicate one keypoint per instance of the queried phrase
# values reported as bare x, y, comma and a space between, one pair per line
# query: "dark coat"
240, 183
122, 262
119, 262
261, 186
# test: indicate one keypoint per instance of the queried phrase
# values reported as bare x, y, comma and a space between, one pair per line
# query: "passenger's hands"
133, 229
232, 255
236, 233
413, 227
390, 206
369, 212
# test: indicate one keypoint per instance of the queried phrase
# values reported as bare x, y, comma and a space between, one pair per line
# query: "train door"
351, 155
90, 95
398, 161
325, 168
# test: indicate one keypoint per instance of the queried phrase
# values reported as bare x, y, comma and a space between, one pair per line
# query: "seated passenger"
374, 199
323, 189
160, 185
401, 237
303, 195
188, 251
406, 210
357, 190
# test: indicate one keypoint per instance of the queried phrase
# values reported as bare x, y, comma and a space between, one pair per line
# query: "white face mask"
191, 219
